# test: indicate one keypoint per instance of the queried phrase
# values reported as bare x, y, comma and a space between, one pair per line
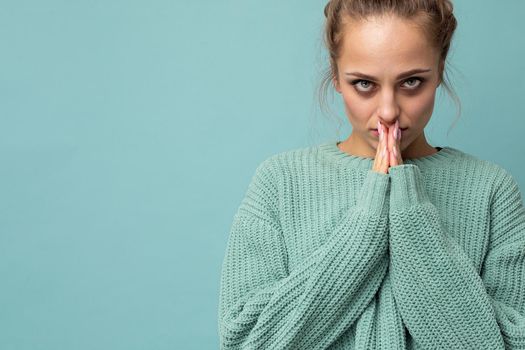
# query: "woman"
380, 241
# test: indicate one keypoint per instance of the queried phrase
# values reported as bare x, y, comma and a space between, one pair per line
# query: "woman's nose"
388, 110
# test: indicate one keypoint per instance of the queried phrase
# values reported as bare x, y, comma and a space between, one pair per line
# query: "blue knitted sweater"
325, 253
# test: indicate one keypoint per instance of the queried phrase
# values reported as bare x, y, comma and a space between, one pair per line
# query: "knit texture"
325, 253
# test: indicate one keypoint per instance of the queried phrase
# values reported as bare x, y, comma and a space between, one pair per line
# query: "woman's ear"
335, 82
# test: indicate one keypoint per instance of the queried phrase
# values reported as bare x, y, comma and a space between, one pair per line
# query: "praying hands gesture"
388, 151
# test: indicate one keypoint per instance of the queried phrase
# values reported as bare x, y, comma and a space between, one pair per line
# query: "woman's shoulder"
488, 172
270, 177
479, 163
287, 161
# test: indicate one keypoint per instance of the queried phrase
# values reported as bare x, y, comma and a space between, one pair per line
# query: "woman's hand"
394, 142
381, 161
388, 150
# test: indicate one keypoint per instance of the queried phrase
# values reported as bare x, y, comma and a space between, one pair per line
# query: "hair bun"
326, 9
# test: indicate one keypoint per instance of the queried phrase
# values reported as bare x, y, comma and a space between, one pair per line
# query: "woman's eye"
364, 85
357, 83
419, 80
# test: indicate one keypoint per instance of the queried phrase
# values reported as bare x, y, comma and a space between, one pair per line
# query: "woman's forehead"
386, 41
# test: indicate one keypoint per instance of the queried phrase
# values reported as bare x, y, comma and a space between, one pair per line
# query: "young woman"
380, 241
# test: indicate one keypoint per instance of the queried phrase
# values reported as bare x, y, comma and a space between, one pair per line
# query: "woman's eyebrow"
400, 76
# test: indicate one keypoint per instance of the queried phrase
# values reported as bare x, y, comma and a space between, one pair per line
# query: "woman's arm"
263, 306
503, 270
443, 300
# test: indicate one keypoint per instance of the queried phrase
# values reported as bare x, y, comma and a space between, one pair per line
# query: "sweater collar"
443, 156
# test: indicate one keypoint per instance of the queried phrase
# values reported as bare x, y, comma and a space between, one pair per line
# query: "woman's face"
383, 49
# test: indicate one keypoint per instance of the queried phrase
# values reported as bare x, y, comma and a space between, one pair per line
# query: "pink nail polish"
396, 131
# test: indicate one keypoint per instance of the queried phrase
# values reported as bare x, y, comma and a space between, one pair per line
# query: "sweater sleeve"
263, 306
441, 297
503, 269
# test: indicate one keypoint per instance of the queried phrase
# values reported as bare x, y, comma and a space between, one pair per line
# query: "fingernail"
384, 152
396, 131
395, 152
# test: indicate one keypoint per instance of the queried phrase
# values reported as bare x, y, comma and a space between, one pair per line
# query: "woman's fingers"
384, 148
399, 159
388, 152
381, 158
392, 140
377, 160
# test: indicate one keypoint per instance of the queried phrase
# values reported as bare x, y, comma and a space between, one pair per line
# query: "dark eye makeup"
420, 79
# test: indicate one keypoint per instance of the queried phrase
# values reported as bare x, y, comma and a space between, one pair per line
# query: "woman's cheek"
423, 108
356, 110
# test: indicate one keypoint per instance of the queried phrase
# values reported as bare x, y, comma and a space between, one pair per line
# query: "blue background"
129, 131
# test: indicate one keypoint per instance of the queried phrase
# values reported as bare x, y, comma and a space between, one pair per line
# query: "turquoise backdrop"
129, 131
